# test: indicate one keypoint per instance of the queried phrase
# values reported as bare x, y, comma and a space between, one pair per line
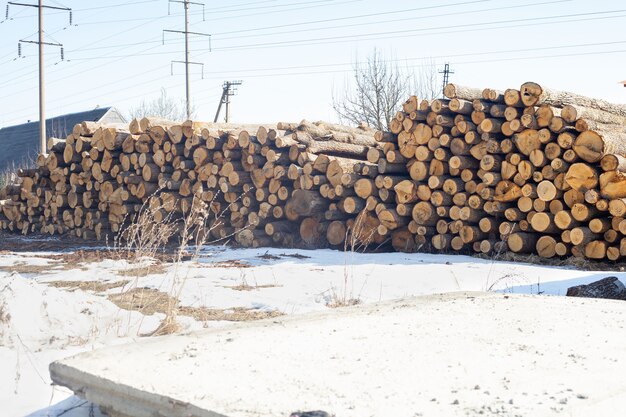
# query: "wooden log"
424, 214
612, 185
581, 177
522, 242
546, 246
596, 249
591, 145
466, 93
306, 203
613, 163
533, 94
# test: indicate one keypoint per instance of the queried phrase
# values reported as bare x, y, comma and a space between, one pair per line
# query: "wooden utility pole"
188, 105
228, 91
186, 32
42, 89
446, 75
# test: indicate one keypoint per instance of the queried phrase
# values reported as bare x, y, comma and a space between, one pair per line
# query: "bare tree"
424, 80
378, 89
163, 106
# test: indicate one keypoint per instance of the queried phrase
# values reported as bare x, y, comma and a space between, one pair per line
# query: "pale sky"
292, 55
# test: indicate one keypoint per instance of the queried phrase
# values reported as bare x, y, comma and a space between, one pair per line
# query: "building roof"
20, 143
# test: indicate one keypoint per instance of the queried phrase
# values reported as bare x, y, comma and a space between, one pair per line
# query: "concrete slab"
444, 355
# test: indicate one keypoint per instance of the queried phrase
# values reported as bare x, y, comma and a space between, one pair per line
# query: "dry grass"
578, 263
232, 263
144, 300
95, 286
357, 239
340, 302
149, 301
168, 325
232, 314
26, 268
269, 256
5, 316
143, 271
247, 287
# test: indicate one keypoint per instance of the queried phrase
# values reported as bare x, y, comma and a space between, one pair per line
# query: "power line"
247, 46
457, 63
160, 17
381, 22
364, 35
378, 22
307, 73
336, 19
412, 32
472, 27
474, 53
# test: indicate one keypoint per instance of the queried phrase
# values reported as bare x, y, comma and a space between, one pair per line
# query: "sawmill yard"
364, 208
57, 302
117, 234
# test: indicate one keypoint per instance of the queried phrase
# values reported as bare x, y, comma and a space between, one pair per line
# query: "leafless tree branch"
379, 87
163, 106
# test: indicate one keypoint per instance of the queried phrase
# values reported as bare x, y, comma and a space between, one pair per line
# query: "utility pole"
186, 32
446, 75
228, 90
42, 86
42, 89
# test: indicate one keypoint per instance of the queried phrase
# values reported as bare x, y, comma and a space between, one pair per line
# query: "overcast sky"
292, 55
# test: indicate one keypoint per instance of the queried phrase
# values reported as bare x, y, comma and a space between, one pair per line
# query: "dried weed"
143, 271
337, 302
149, 301
232, 263
232, 314
95, 286
247, 287
5, 316
26, 268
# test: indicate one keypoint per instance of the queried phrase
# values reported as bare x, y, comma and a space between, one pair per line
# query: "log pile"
265, 185
530, 170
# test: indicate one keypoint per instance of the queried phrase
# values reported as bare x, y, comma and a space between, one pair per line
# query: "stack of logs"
528, 170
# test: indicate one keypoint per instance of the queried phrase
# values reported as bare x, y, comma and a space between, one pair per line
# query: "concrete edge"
118, 400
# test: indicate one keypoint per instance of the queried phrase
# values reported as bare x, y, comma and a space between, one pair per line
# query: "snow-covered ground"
42, 318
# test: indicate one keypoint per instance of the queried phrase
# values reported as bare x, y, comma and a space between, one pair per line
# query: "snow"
407, 357
40, 323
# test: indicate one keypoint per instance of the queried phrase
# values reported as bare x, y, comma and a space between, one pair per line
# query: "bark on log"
533, 94
609, 288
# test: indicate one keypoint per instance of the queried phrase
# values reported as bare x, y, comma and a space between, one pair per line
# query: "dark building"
20, 143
